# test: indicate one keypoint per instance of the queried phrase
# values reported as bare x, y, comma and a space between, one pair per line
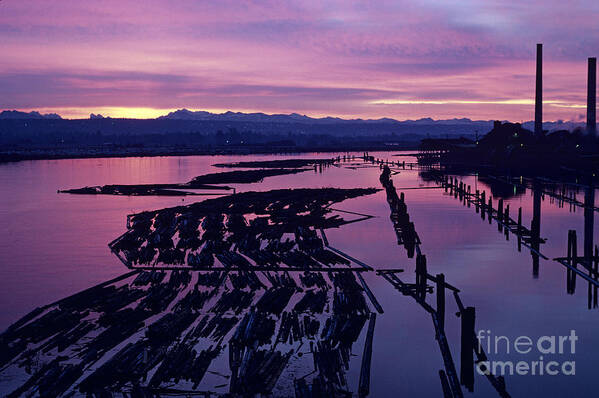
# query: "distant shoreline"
91, 153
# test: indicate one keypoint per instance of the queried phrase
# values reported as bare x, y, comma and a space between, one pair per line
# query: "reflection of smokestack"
535, 228
539, 93
592, 97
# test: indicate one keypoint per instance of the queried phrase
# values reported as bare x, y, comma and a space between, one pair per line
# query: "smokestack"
592, 97
539, 93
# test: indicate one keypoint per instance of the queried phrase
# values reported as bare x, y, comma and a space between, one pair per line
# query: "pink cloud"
333, 58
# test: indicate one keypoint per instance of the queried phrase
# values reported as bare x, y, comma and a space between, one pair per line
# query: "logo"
554, 354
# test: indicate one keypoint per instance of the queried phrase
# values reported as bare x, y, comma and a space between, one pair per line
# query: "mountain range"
260, 118
185, 114
484, 125
27, 115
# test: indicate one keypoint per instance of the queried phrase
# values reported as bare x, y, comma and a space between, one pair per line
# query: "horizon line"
155, 113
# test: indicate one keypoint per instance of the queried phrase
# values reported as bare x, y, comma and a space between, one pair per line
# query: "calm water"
53, 245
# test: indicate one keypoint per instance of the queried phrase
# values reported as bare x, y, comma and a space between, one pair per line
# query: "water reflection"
470, 345
535, 229
458, 248
532, 237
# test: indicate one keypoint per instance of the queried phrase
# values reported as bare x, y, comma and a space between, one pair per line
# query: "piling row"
404, 228
418, 291
558, 192
389, 163
484, 205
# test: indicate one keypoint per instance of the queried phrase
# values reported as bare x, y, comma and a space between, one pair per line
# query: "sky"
352, 59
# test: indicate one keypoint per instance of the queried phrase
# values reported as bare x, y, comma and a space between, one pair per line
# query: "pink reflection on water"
52, 245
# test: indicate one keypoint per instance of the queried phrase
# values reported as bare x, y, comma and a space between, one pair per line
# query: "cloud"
332, 57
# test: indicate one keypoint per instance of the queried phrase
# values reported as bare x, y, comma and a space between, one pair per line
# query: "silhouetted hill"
469, 125
34, 135
185, 114
25, 115
245, 128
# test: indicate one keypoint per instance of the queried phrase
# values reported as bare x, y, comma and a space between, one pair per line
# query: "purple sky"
370, 59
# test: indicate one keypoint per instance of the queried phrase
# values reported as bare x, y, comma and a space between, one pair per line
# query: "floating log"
445, 385
447, 359
364, 384
204, 182
445, 284
370, 295
292, 210
282, 163
364, 265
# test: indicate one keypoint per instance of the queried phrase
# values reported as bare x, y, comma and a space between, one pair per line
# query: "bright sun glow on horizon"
151, 113
113, 112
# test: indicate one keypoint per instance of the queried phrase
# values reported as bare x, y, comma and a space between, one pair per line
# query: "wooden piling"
595, 269
421, 275
467, 349
441, 300
468, 196
519, 230
519, 220
574, 249
572, 261
569, 262
590, 296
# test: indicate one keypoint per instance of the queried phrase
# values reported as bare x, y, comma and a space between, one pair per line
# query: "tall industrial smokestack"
539, 93
592, 97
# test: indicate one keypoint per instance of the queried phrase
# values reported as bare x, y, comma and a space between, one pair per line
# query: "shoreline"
23, 155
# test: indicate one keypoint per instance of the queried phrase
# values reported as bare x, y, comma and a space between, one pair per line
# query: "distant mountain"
185, 131
24, 115
267, 122
481, 126
186, 114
